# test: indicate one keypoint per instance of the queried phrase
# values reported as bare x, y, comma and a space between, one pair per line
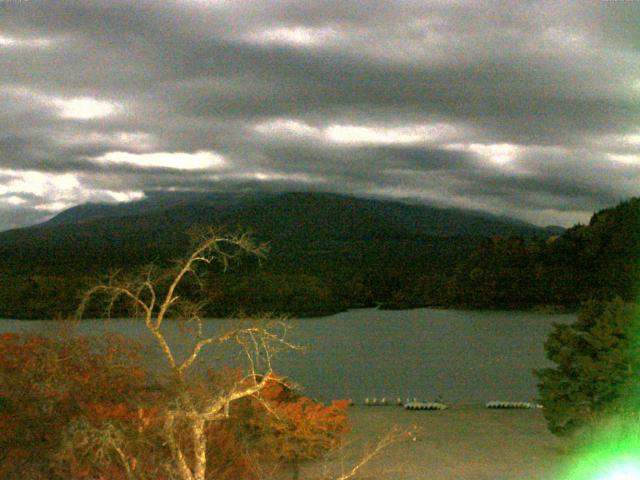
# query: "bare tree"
153, 298
154, 304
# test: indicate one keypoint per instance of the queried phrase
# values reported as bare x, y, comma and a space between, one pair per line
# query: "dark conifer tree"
595, 358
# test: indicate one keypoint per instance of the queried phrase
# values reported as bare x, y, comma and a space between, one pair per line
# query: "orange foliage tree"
295, 428
81, 408
46, 384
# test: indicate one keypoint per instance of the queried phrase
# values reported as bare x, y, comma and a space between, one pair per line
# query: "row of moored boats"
415, 404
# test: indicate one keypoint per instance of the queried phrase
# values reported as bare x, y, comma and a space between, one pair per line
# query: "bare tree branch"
258, 343
391, 437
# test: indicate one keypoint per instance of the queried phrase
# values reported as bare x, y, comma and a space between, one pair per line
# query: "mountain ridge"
95, 237
328, 253
164, 201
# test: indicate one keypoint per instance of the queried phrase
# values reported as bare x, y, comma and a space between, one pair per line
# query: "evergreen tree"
595, 359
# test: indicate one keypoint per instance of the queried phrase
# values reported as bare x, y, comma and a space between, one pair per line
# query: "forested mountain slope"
327, 252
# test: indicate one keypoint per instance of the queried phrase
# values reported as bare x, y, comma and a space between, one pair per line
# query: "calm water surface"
463, 356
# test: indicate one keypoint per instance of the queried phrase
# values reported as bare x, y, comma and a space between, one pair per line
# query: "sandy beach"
468, 442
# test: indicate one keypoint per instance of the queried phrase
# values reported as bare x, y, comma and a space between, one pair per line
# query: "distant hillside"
153, 203
97, 237
279, 212
598, 260
327, 252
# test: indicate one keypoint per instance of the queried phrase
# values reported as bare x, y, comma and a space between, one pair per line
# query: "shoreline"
541, 309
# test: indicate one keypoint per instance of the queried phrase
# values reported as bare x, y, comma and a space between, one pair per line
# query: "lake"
462, 356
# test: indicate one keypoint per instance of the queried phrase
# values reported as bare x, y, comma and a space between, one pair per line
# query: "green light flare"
601, 467
613, 453
624, 471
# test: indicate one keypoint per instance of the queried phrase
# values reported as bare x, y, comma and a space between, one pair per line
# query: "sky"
526, 109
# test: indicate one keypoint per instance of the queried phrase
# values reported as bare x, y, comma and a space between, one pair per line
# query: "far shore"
542, 309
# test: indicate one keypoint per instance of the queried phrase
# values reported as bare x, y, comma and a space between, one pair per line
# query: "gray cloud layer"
530, 109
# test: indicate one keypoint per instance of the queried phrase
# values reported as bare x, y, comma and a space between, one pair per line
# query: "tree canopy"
597, 359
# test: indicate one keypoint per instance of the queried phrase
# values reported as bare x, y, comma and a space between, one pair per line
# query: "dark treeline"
316, 269
595, 261
317, 278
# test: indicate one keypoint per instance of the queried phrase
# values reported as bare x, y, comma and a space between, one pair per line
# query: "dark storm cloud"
523, 108
363, 165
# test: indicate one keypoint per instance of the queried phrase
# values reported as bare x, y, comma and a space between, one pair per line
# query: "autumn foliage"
293, 428
80, 408
301, 427
45, 384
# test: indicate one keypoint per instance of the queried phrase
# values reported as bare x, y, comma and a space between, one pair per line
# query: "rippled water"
463, 356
